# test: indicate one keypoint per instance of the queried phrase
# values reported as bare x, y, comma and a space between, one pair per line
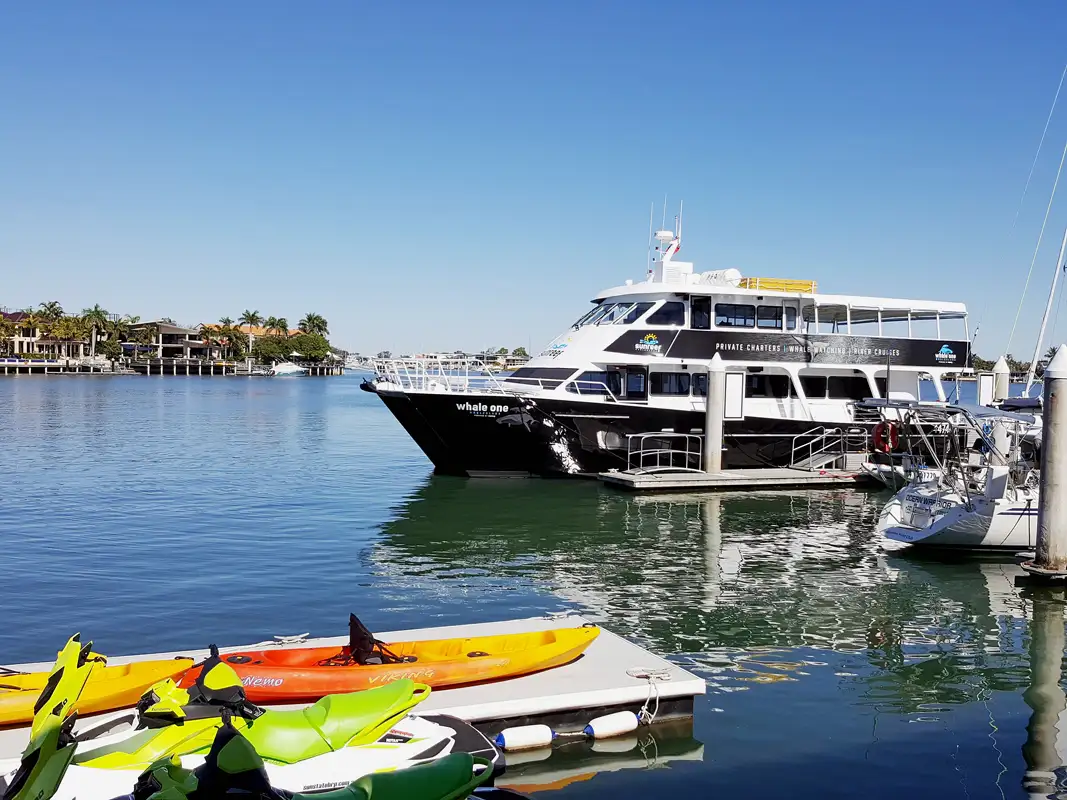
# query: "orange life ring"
886, 436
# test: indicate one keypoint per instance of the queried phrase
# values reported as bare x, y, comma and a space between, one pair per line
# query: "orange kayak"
280, 675
108, 688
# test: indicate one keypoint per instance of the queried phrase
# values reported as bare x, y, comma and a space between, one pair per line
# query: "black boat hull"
477, 435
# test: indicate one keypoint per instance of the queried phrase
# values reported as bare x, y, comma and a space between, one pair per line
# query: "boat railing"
818, 447
664, 451
439, 375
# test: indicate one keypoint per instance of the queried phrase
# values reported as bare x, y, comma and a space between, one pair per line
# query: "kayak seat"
340, 718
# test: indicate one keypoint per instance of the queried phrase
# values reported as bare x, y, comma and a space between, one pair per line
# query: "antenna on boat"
663, 222
681, 204
648, 260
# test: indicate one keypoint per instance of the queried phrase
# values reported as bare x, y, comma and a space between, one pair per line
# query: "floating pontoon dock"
612, 675
731, 479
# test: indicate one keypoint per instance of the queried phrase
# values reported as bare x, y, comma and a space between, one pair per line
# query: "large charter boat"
636, 362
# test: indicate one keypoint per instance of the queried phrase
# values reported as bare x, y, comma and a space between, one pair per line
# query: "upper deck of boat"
811, 298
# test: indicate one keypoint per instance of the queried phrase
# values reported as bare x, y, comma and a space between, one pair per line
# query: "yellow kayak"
108, 688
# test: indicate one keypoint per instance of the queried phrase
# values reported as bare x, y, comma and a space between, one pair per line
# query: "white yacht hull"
917, 516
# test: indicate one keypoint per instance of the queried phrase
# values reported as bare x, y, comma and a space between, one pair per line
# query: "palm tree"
251, 318
31, 324
225, 322
283, 326
51, 310
1050, 353
270, 324
97, 317
146, 335
314, 323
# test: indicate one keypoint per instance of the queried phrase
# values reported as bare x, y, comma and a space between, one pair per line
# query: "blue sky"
454, 175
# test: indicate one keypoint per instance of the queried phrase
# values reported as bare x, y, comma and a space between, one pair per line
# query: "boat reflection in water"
824, 653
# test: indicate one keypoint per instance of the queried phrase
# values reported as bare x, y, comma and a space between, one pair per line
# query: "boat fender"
886, 436
524, 737
612, 725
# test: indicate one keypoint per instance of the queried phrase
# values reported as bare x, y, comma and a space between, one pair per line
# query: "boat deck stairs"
661, 461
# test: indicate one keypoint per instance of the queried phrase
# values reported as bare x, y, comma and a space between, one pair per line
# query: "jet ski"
170, 721
51, 745
233, 767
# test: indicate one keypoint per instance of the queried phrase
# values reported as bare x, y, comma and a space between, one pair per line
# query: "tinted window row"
742, 315
773, 386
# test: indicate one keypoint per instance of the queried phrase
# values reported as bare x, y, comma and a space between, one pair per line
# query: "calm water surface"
162, 513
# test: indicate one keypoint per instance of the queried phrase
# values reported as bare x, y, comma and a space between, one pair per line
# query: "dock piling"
713, 412
1001, 379
1051, 553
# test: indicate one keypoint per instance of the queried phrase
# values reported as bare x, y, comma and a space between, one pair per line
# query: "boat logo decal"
252, 680
649, 344
483, 409
554, 350
945, 355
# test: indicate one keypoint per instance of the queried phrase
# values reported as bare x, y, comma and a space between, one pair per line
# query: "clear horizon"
443, 178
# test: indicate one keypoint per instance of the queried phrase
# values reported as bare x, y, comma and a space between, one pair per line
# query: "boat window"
790, 318
700, 313
767, 386
615, 313
848, 387
814, 386
670, 313
635, 384
635, 313
668, 382
700, 384
734, 315
582, 319
546, 377
601, 310
595, 383
770, 317
881, 383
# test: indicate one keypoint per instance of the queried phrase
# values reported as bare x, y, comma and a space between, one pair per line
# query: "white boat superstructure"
979, 488
637, 362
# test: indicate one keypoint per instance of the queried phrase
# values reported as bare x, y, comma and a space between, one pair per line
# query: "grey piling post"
1052, 503
713, 411
1044, 695
1001, 379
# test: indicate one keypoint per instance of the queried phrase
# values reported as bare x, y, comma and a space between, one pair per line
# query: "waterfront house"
170, 341
32, 337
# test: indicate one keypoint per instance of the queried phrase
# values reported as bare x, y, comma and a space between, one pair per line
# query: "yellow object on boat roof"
778, 285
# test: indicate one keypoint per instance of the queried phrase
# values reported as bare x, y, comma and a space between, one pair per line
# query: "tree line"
985, 365
106, 333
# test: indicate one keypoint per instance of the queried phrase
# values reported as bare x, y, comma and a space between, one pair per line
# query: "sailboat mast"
1044, 318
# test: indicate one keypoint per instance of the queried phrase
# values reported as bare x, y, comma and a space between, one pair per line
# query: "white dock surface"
731, 479
598, 679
